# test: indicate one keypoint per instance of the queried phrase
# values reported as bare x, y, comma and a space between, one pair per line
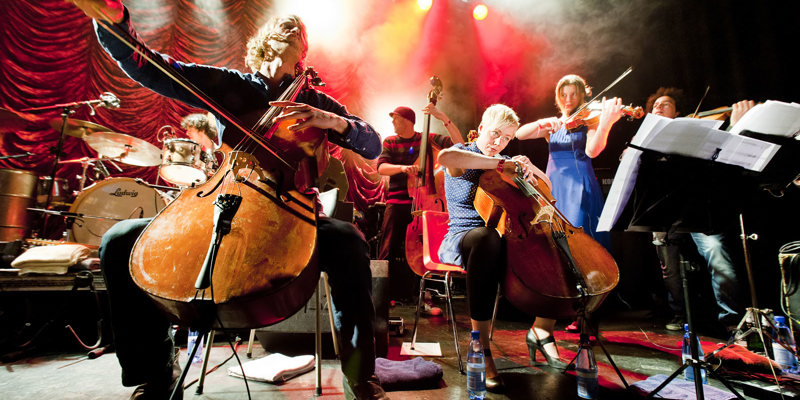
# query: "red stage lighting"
480, 12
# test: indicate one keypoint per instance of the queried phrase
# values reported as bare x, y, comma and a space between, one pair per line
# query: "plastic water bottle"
586, 370
190, 343
476, 368
686, 354
784, 357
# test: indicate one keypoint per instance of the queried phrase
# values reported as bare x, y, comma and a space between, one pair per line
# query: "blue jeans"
141, 331
722, 254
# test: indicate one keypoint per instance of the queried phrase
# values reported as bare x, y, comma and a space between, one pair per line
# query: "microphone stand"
26, 154
48, 186
67, 110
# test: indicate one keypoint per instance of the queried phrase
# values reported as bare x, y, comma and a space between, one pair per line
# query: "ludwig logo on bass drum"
122, 192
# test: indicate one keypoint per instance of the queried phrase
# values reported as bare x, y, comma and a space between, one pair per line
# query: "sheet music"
689, 137
771, 118
621, 187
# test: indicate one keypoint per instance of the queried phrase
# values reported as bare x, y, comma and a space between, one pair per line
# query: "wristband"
500, 165
447, 123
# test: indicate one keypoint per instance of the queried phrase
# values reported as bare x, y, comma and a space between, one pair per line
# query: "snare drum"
183, 162
116, 199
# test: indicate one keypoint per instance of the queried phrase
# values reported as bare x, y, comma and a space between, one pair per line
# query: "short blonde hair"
580, 87
259, 50
498, 116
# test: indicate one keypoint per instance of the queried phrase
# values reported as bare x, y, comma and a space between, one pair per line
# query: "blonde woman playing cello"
468, 241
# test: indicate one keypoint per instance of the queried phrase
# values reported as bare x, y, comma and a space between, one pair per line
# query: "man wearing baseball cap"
397, 161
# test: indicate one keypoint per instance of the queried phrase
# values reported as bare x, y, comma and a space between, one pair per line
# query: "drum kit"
91, 210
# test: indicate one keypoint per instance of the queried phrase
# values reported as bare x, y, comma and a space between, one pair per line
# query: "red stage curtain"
50, 56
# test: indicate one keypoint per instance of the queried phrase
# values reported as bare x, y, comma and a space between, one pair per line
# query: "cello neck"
547, 211
265, 126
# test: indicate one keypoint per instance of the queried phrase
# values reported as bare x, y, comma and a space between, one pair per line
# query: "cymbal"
77, 128
124, 148
11, 121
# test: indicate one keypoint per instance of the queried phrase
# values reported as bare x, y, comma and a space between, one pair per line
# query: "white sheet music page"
691, 137
747, 152
771, 118
621, 188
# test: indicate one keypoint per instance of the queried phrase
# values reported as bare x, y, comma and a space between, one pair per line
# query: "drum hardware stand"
70, 217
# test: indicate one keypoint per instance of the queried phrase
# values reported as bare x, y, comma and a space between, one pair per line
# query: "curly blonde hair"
258, 48
580, 87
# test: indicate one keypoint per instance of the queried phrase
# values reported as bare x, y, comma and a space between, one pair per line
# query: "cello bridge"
241, 160
545, 214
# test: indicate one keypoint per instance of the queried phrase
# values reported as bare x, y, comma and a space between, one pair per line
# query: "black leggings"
484, 256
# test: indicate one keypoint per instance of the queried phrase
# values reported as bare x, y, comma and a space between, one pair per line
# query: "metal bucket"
17, 191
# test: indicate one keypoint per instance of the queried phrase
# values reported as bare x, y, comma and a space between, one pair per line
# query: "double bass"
426, 188
553, 269
239, 251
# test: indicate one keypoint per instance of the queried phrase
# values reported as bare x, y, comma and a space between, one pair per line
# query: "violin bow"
586, 104
696, 110
169, 71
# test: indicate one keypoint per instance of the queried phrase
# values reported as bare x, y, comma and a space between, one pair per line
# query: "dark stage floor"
636, 341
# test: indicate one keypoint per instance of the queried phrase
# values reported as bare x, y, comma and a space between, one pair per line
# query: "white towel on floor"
50, 259
274, 368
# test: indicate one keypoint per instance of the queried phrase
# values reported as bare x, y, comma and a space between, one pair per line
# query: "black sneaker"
163, 387
675, 324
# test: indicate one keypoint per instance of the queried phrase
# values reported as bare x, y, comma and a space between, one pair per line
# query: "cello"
250, 202
552, 267
426, 188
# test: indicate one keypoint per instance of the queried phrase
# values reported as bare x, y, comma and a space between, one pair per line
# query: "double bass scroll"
552, 267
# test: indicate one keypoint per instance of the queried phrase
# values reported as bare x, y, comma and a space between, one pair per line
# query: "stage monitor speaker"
283, 336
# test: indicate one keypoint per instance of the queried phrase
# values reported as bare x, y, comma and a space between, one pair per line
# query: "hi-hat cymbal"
11, 121
77, 128
124, 148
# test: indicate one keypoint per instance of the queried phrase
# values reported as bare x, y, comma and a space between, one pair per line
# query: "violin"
717, 114
590, 115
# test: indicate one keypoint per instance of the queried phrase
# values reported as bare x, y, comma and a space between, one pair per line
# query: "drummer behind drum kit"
100, 205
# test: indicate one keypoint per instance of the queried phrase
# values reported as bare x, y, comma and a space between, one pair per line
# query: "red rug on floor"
511, 344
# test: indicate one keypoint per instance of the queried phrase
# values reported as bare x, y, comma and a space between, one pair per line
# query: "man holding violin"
275, 55
720, 252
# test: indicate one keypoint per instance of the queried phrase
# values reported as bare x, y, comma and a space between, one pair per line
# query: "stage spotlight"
424, 5
480, 12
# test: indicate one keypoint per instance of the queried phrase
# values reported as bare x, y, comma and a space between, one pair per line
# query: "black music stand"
674, 194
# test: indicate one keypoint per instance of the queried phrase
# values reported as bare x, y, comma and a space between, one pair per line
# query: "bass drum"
110, 201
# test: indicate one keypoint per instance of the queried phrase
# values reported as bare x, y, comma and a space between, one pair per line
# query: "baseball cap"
405, 112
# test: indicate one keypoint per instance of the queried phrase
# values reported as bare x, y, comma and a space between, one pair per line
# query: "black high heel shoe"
496, 384
534, 344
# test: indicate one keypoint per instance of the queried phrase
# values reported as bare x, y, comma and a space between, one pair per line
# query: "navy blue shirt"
244, 95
